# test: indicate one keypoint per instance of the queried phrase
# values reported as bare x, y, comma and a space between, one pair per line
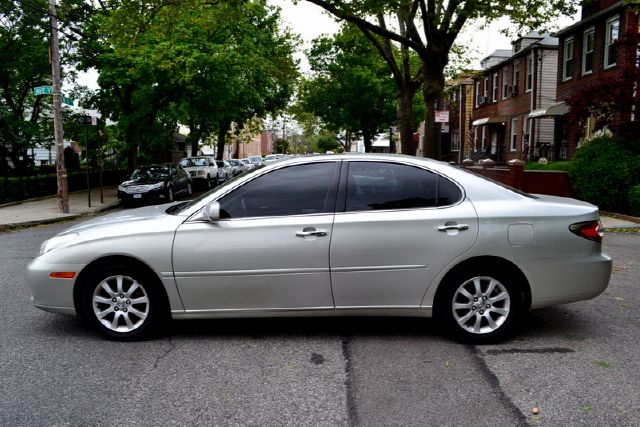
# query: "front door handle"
311, 231
448, 227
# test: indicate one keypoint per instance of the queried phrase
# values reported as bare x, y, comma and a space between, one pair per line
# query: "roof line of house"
523, 52
586, 21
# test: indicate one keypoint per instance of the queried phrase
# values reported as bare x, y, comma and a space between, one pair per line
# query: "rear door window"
380, 185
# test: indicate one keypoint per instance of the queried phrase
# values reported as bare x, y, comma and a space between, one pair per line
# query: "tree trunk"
405, 97
433, 89
222, 134
367, 136
194, 137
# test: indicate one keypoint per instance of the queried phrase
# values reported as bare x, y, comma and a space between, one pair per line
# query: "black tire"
189, 189
488, 304
124, 303
208, 183
171, 197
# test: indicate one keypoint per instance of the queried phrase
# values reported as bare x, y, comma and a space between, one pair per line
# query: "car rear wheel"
123, 303
480, 306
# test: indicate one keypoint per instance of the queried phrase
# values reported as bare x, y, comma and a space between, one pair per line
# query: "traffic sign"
43, 90
67, 101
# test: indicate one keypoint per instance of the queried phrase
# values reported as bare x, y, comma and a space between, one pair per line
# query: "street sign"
84, 120
43, 90
67, 101
442, 116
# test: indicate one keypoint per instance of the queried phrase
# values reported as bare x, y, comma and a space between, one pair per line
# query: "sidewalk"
45, 210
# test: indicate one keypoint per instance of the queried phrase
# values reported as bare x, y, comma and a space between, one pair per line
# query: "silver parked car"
332, 235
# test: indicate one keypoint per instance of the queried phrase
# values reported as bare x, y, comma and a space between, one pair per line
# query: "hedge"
14, 189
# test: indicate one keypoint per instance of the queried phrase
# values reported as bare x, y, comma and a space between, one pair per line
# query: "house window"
455, 137
516, 77
529, 70
526, 132
505, 82
484, 136
478, 96
486, 89
495, 87
611, 35
588, 51
567, 59
514, 135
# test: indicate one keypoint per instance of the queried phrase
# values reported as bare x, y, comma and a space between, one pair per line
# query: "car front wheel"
123, 304
480, 307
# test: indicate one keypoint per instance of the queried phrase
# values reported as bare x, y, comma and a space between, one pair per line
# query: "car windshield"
151, 172
234, 162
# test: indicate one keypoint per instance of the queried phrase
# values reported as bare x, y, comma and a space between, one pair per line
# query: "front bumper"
159, 195
53, 295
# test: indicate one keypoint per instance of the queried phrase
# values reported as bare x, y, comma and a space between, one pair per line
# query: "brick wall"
554, 183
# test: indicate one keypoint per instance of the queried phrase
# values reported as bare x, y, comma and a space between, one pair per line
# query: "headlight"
200, 172
156, 186
56, 242
120, 188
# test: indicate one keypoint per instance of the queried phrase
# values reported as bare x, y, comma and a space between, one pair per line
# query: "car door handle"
453, 227
310, 231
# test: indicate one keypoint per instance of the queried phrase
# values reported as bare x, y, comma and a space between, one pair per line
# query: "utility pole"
61, 171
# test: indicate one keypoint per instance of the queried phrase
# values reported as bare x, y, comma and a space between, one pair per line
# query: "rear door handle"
453, 227
311, 231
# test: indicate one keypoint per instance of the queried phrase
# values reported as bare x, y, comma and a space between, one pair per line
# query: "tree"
205, 64
24, 119
352, 89
430, 28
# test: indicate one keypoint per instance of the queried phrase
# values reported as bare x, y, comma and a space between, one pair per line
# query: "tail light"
591, 230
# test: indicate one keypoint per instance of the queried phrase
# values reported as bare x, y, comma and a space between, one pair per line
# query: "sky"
311, 21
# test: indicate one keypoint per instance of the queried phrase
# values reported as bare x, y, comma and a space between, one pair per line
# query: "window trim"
608, 41
565, 58
505, 82
494, 87
477, 88
588, 32
528, 84
513, 142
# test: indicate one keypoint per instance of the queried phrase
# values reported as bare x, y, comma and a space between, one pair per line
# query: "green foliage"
603, 171
562, 165
634, 200
327, 142
352, 89
24, 122
204, 64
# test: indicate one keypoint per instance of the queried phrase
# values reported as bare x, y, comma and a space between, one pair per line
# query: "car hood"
128, 221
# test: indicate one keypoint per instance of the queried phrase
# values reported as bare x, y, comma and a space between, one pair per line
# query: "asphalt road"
577, 363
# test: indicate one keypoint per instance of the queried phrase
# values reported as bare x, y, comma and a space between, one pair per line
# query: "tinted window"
376, 185
294, 190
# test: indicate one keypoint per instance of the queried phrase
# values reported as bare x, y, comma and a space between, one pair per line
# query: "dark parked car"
158, 183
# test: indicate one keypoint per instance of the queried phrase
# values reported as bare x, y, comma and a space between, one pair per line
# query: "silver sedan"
332, 235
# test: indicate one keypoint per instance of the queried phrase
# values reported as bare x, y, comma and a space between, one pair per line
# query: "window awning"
559, 109
489, 120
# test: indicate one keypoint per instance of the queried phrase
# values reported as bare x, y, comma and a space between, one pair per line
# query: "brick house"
512, 85
589, 50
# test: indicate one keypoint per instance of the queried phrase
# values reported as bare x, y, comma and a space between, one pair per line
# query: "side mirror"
211, 212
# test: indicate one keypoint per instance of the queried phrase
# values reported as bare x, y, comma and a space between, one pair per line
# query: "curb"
622, 217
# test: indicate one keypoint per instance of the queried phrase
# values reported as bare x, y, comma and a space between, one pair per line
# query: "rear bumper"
563, 280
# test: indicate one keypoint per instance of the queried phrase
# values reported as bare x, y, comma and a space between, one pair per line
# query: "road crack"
352, 412
494, 382
172, 347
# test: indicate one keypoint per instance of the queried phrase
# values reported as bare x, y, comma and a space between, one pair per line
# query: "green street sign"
67, 101
43, 90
